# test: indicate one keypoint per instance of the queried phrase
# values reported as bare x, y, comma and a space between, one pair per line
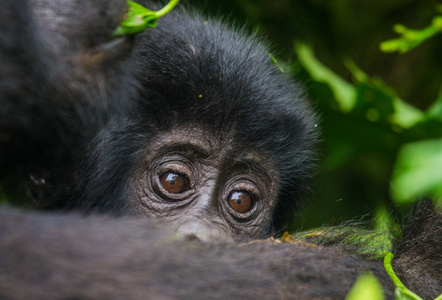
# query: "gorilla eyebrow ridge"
195, 150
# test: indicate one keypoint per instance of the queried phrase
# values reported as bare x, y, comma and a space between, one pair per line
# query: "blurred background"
381, 111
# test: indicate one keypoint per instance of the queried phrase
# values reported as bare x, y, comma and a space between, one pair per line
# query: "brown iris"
174, 183
240, 201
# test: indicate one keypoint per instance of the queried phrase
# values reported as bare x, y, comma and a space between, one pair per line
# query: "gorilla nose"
208, 233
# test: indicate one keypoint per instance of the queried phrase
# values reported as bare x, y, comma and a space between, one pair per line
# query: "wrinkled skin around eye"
241, 201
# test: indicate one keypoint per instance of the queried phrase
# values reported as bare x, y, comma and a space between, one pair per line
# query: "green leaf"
382, 102
418, 171
367, 287
409, 38
435, 111
370, 97
344, 92
138, 18
405, 114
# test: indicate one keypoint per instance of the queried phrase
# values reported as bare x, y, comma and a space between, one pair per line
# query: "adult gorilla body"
69, 256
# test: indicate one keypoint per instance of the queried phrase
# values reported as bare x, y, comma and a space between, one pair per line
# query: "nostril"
207, 233
189, 237
192, 229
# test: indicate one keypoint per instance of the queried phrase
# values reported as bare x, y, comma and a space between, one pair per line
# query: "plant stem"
166, 8
399, 285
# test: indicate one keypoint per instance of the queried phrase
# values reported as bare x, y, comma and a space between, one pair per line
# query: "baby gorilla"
218, 143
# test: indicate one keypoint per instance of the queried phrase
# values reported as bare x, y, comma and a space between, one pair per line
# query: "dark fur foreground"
59, 256
419, 252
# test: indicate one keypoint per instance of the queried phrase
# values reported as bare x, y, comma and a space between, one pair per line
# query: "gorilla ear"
95, 57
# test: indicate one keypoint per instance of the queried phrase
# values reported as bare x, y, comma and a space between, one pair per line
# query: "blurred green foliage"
381, 113
366, 287
411, 38
418, 168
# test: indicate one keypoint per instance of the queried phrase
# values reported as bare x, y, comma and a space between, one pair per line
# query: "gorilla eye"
174, 183
241, 201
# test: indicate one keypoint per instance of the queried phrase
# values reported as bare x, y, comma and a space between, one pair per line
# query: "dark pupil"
174, 183
240, 201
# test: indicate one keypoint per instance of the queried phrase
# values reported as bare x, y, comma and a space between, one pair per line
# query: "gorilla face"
206, 185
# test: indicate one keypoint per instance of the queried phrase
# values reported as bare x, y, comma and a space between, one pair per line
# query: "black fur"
68, 256
419, 252
62, 77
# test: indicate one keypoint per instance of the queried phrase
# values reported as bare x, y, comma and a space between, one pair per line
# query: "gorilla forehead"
202, 144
